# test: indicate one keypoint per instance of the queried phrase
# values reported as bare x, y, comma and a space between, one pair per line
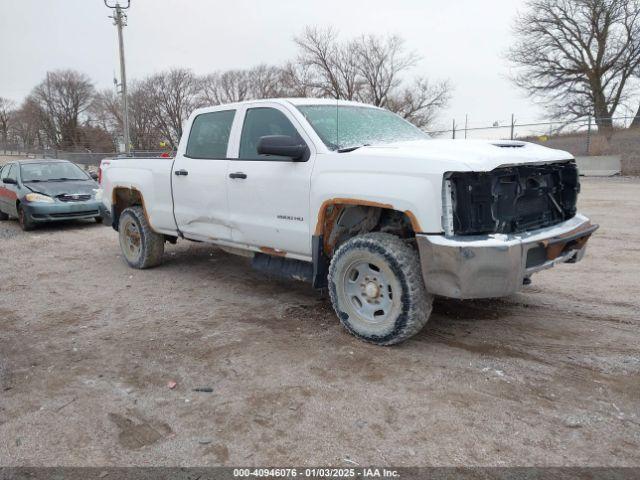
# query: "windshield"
51, 171
350, 126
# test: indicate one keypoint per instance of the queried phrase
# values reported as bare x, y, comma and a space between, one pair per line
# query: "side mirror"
11, 181
283, 146
94, 175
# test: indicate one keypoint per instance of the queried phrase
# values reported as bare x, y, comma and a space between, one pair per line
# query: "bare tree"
380, 62
332, 66
577, 56
106, 111
6, 113
421, 102
225, 87
27, 125
368, 69
297, 81
63, 97
265, 82
174, 95
144, 134
262, 81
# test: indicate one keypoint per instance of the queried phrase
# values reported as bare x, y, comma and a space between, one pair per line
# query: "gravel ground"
549, 376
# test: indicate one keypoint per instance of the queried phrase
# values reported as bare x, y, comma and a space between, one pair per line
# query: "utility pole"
120, 21
513, 125
589, 136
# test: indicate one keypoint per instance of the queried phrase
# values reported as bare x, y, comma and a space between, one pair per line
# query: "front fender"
418, 196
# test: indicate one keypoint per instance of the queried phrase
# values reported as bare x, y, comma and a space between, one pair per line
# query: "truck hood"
474, 155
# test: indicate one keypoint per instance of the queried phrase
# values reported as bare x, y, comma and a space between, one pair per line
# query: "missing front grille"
514, 199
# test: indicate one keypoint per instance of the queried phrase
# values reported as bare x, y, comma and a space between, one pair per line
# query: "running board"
281, 267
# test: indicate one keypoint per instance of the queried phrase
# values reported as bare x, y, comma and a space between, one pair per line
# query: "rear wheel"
141, 246
377, 290
23, 219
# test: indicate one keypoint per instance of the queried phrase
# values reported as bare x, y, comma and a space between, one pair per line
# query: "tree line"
66, 111
578, 58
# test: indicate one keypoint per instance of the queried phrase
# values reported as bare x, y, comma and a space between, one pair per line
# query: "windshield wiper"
32, 181
62, 179
351, 149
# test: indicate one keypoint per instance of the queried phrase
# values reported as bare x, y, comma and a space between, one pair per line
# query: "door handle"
238, 175
181, 173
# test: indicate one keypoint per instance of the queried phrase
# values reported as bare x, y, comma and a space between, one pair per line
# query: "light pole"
120, 20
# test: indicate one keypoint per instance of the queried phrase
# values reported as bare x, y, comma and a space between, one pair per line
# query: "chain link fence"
86, 159
580, 137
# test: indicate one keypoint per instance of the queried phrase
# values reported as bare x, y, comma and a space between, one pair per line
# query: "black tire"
23, 219
98, 219
141, 246
3, 216
397, 288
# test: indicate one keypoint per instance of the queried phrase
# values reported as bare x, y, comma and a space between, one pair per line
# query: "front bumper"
486, 266
52, 212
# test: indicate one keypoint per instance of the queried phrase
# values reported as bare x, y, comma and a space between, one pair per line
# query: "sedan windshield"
346, 126
51, 171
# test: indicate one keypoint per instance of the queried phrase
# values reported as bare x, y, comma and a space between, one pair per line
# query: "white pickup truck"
353, 198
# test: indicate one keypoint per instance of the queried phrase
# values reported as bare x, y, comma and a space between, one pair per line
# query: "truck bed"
149, 175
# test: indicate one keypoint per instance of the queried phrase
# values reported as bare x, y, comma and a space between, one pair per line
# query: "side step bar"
286, 268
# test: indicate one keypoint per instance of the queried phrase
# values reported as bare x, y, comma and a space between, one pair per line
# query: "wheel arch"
333, 210
123, 197
340, 219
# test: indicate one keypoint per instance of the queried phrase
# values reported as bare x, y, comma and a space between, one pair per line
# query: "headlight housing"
38, 197
447, 206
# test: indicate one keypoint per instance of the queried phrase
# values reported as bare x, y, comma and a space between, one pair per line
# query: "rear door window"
209, 136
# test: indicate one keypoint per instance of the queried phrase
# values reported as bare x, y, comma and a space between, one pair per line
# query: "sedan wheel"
23, 219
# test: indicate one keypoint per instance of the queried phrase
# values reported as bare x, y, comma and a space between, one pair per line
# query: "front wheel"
23, 219
141, 246
3, 216
377, 290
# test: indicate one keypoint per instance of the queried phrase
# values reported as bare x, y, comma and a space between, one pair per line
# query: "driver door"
269, 195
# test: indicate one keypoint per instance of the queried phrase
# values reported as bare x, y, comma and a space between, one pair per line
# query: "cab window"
260, 122
209, 135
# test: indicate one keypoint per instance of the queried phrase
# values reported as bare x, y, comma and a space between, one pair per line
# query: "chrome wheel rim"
131, 240
370, 291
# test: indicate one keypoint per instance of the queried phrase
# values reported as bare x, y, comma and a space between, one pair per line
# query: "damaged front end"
513, 199
503, 226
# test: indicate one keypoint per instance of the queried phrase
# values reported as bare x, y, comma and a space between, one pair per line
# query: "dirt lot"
550, 376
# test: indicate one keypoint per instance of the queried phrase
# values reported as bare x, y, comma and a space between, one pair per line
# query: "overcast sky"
462, 40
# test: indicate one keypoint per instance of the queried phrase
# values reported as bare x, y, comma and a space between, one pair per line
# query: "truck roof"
322, 101
292, 101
